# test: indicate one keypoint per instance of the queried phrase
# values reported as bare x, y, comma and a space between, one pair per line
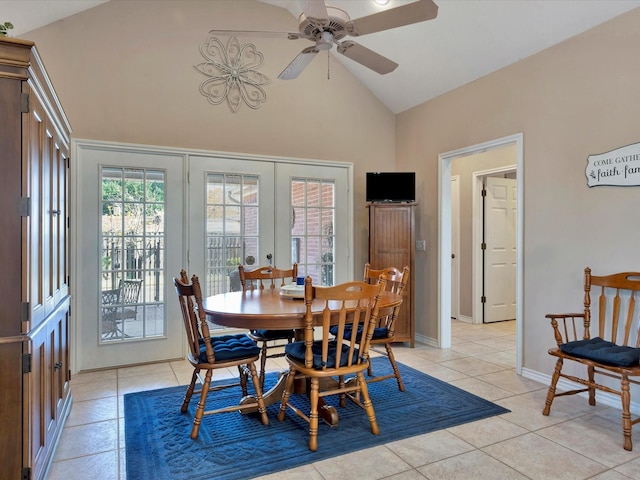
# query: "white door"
312, 221
500, 253
129, 248
231, 219
455, 246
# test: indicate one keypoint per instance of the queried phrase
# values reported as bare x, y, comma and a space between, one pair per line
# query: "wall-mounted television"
391, 187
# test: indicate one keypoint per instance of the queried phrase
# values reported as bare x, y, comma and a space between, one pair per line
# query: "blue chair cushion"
230, 347
273, 334
379, 332
602, 351
296, 351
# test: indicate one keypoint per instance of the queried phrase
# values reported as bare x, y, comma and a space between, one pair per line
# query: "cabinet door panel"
58, 260
37, 400
46, 215
11, 406
10, 193
34, 131
47, 392
391, 244
60, 376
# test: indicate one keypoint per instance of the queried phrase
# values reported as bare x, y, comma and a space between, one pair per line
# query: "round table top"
267, 309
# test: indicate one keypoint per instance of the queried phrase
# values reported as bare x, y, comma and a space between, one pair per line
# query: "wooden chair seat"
353, 304
208, 354
613, 353
267, 339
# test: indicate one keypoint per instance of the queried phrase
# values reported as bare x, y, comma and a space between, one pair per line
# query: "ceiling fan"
325, 26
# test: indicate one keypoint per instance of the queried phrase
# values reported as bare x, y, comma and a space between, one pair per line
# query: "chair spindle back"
257, 278
350, 306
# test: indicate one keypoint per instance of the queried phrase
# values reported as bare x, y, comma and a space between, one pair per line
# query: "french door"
231, 212
312, 220
128, 249
266, 213
143, 214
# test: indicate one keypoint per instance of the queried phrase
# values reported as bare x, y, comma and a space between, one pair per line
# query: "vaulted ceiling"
468, 40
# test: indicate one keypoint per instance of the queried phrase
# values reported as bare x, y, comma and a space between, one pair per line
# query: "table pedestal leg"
326, 412
271, 396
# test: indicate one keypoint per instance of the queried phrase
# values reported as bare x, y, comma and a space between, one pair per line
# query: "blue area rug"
232, 446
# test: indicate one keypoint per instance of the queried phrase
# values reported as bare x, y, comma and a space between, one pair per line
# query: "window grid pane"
132, 260
313, 216
232, 228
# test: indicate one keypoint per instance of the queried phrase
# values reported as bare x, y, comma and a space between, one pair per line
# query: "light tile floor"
575, 442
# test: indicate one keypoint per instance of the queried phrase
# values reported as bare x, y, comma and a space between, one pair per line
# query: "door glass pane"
313, 217
232, 228
132, 261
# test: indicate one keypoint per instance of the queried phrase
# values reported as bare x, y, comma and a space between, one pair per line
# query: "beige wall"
125, 72
572, 100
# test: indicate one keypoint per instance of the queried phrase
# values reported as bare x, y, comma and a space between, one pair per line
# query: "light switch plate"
421, 245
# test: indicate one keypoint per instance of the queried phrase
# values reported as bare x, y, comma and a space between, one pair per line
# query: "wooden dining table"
268, 309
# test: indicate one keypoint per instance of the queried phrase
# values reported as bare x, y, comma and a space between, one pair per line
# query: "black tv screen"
391, 187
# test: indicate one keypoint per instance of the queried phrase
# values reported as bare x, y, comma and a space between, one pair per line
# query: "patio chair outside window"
119, 305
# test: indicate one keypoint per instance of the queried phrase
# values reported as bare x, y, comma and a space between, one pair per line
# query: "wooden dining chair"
348, 305
208, 354
268, 339
605, 339
384, 331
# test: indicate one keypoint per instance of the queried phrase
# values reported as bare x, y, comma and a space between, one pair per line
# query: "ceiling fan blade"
256, 33
367, 58
315, 11
415, 12
298, 64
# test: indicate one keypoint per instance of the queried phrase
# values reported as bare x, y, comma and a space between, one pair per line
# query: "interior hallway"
575, 442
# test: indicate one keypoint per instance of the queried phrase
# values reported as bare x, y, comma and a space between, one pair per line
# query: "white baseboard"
431, 342
602, 398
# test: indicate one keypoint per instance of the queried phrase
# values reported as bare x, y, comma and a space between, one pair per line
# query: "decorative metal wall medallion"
233, 73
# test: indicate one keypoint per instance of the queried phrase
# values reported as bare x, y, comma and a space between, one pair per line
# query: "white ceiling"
468, 40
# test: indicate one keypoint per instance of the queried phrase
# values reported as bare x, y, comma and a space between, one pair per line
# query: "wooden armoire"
392, 244
34, 259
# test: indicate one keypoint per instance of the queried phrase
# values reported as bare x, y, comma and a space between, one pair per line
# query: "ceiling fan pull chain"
328, 67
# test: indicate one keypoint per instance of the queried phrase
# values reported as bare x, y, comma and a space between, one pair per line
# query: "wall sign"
619, 167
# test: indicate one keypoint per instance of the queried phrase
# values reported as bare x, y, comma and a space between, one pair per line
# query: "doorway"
445, 238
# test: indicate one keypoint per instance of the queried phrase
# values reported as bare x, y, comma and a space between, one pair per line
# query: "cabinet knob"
55, 212
57, 366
